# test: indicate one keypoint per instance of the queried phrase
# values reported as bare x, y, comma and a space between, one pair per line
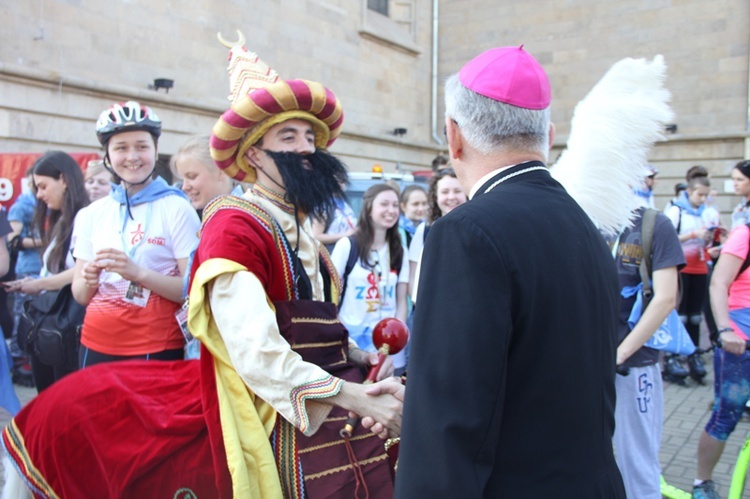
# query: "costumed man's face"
286, 159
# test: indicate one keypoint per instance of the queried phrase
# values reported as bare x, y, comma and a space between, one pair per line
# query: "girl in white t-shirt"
377, 285
132, 248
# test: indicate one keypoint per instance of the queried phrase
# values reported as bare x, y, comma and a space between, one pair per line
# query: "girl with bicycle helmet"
133, 248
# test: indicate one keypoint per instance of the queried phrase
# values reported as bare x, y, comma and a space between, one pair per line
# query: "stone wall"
63, 61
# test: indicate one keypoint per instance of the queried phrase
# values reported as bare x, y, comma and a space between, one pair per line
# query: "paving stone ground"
686, 411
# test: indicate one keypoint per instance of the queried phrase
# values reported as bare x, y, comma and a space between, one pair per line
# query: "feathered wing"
612, 130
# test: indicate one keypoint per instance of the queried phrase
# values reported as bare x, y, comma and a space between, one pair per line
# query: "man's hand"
391, 386
383, 408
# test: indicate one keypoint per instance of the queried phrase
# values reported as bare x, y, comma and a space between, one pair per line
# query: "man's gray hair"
490, 126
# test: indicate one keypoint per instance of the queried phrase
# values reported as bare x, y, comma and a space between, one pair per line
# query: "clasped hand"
381, 405
390, 386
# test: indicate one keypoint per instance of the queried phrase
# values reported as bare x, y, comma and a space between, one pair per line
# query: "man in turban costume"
260, 414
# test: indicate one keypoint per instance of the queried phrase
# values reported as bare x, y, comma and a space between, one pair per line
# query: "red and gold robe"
245, 420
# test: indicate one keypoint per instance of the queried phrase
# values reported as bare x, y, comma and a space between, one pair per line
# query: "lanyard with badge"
136, 293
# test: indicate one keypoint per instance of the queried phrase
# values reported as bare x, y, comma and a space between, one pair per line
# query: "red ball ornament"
390, 335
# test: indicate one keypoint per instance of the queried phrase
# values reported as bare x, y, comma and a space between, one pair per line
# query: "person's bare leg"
709, 452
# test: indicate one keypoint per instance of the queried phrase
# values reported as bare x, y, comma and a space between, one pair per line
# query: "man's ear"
551, 135
455, 140
252, 155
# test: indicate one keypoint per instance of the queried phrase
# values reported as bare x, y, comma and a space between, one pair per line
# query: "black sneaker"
706, 490
697, 367
673, 369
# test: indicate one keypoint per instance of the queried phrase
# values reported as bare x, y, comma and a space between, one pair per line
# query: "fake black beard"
315, 190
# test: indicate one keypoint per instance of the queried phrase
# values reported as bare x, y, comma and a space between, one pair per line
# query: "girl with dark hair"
741, 182
444, 194
376, 284
60, 195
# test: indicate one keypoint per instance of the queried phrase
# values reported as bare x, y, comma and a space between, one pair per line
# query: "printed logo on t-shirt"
630, 252
159, 241
136, 235
372, 294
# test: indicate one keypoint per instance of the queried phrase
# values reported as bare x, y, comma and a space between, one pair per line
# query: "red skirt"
122, 429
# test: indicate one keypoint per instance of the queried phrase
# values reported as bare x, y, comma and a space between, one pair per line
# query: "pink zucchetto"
510, 75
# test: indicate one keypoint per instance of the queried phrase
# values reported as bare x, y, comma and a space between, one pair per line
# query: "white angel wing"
612, 130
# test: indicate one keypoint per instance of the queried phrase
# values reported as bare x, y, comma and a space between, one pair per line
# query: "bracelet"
725, 330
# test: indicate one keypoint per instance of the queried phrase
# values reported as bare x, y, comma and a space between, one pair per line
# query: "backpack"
648, 226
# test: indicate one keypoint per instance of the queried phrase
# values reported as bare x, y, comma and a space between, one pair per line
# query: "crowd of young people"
127, 256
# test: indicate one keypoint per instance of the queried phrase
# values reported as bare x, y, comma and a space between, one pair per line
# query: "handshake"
380, 405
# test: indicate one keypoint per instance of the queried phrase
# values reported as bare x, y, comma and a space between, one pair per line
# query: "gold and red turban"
260, 100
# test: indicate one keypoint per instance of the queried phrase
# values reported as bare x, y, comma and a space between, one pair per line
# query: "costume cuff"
306, 416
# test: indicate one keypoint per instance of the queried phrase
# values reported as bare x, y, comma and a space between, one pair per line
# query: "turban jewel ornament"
259, 100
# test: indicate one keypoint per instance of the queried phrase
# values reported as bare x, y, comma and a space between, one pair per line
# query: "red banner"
13, 167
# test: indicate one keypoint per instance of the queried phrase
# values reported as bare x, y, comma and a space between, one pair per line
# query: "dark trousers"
45, 374
694, 294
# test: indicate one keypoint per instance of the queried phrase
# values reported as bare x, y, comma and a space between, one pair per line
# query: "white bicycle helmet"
126, 117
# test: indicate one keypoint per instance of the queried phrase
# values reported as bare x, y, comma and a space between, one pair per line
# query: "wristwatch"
725, 330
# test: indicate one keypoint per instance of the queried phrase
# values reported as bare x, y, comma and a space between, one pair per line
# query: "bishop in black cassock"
510, 388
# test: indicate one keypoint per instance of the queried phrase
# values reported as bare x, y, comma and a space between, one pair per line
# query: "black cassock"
510, 389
